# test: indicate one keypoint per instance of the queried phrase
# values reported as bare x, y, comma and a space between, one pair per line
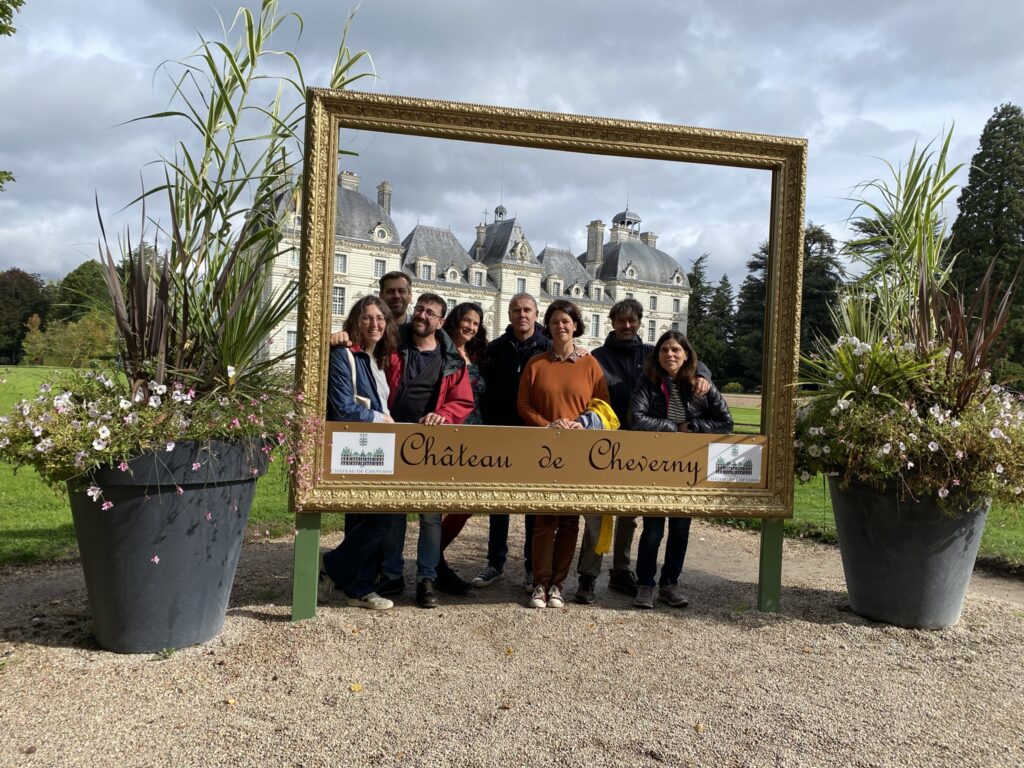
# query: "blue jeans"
675, 550
352, 565
497, 542
428, 548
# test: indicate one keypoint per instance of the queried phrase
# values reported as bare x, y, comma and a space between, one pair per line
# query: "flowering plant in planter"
904, 397
193, 308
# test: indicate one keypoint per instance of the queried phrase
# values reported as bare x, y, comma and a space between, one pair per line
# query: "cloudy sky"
861, 81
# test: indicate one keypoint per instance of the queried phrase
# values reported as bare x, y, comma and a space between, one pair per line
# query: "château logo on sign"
362, 453
734, 463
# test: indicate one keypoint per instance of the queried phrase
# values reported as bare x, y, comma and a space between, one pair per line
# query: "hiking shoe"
623, 581
539, 599
373, 601
673, 595
390, 587
486, 577
555, 598
425, 596
644, 597
585, 590
449, 581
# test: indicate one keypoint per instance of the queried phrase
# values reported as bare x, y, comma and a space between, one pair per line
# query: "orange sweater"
558, 389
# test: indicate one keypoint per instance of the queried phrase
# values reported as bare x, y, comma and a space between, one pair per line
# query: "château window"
556, 288
340, 263
426, 271
651, 330
478, 278
654, 303
380, 268
291, 339
293, 257
598, 293
675, 305
520, 285
595, 326
675, 326
338, 300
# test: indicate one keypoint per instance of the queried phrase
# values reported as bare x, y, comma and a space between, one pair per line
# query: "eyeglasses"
373, 320
427, 312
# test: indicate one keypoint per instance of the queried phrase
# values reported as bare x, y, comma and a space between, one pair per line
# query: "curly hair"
475, 346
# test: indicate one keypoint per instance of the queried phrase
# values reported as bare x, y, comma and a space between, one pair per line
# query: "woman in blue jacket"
664, 401
353, 564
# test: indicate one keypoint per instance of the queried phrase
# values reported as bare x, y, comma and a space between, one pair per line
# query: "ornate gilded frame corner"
328, 112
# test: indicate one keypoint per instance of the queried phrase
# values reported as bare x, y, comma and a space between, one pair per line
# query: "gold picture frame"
329, 112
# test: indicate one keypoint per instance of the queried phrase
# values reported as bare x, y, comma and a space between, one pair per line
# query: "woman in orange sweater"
554, 390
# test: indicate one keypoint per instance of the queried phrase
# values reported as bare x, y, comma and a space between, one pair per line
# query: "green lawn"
35, 522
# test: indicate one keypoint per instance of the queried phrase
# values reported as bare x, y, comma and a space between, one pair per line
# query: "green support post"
306, 567
769, 580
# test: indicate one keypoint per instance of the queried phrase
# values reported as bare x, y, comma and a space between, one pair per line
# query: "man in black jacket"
622, 358
502, 367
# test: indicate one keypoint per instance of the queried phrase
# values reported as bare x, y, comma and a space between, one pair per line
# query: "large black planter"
906, 562
159, 564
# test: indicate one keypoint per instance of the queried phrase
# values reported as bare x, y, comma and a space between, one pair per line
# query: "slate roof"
652, 265
439, 244
357, 216
558, 261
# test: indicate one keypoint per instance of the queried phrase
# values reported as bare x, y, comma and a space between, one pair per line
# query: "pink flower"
178, 490
93, 492
196, 466
107, 505
256, 471
155, 559
123, 466
299, 397
209, 516
235, 423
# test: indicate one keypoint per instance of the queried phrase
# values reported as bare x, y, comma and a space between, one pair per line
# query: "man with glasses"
429, 385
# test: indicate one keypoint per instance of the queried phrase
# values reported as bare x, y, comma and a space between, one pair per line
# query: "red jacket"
455, 398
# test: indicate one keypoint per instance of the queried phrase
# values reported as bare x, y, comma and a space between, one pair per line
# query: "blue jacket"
340, 405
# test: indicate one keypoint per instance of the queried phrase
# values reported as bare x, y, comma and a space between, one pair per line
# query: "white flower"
933, 446
160, 389
154, 401
805, 476
108, 383
798, 444
943, 493
4, 443
231, 371
37, 431
999, 469
958, 354
910, 465
826, 449
125, 404
814, 450
903, 446
139, 396
887, 448
44, 445
93, 492
104, 432
874, 390
840, 376
98, 445
996, 433
843, 405
170, 445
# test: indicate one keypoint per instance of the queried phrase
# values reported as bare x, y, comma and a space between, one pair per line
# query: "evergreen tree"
750, 319
718, 332
700, 293
82, 289
823, 277
21, 296
990, 224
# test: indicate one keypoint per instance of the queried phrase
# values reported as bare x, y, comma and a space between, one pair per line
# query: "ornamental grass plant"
192, 299
904, 398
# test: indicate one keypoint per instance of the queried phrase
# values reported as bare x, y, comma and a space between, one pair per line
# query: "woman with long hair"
555, 389
353, 564
664, 401
465, 326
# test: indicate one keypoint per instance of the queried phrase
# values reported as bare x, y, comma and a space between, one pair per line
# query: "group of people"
434, 367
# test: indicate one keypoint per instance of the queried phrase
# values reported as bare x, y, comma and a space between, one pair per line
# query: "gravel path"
484, 681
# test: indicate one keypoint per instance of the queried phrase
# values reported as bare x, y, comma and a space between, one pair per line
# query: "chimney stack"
384, 196
595, 246
649, 238
348, 180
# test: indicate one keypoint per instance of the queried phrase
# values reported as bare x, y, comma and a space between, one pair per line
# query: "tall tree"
823, 277
990, 224
714, 346
7, 11
750, 319
21, 296
84, 288
700, 293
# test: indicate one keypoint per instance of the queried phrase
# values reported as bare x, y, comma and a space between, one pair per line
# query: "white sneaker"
539, 599
555, 598
373, 601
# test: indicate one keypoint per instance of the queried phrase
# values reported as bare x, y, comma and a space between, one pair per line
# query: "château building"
498, 262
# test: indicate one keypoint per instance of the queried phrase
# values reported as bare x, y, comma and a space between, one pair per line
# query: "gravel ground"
484, 681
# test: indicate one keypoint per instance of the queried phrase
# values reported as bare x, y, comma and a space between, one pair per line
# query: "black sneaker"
585, 590
620, 581
390, 587
450, 582
425, 597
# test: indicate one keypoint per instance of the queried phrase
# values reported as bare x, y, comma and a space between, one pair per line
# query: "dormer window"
577, 291
426, 271
597, 293
381, 234
556, 288
453, 275
630, 271
478, 278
